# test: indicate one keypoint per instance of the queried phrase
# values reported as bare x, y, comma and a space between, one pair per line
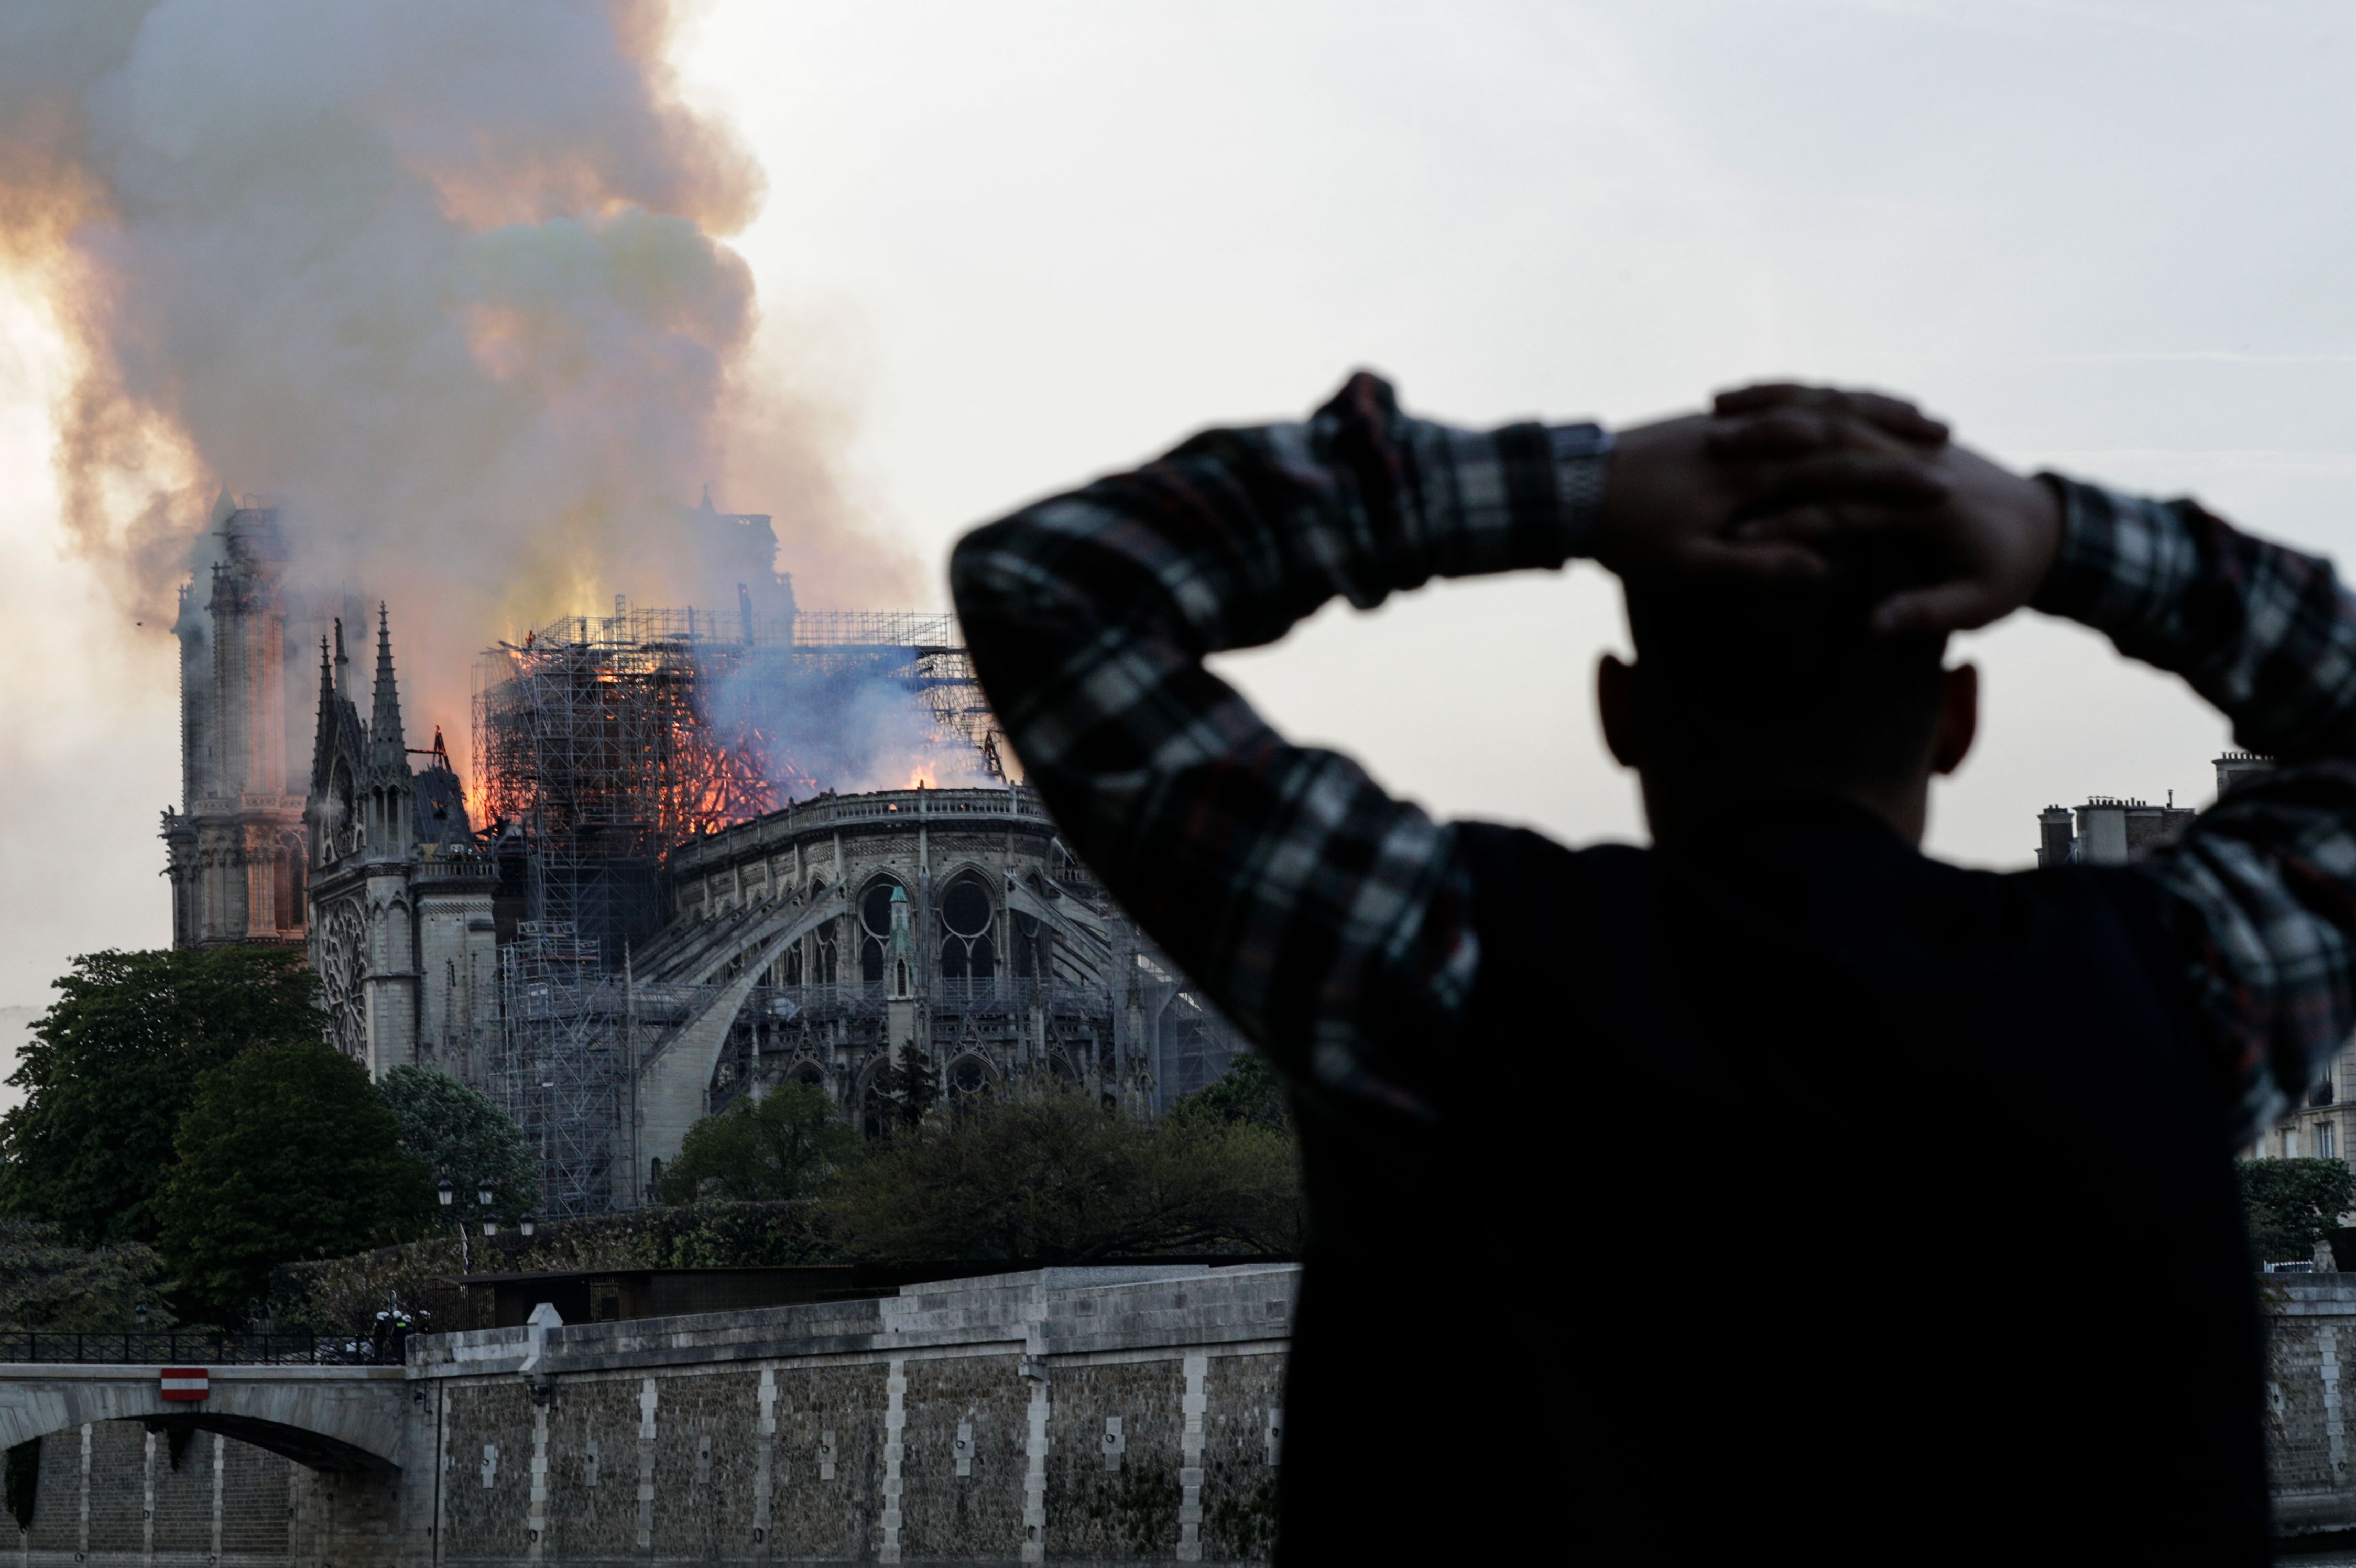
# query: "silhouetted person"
1775, 1186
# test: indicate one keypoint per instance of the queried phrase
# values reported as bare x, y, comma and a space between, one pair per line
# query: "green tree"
1249, 1092
786, 1146
1048, 1175
460, 1134
2291, 1203
286, 1153
112, 1066
913, 1087
46, 1283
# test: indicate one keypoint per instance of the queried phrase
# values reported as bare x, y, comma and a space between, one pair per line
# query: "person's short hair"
1782, 680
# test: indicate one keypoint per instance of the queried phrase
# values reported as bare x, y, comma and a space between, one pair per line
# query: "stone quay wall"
1090, 1415
1074, 1416
1067, 1415
2310, 1374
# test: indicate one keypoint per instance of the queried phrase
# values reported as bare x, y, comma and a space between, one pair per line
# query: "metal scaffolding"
562, 1066
593, 736
609, 739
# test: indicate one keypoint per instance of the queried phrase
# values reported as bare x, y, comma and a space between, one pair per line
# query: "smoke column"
446, 280
843, 729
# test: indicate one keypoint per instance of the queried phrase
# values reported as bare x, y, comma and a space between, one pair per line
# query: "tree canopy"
1250, 1091
786, 1146
1048, 1175
2291, 1203
459, 1134
112, 1066
46, 1283
286, 1153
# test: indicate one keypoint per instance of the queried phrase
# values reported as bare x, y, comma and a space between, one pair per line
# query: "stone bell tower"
236, 842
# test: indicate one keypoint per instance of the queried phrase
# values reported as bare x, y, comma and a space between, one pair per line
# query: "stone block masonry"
1083, 1415
1076, 1415
1102, 1416
2312, 1320
113, 1492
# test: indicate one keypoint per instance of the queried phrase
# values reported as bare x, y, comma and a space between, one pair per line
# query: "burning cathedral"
656, 897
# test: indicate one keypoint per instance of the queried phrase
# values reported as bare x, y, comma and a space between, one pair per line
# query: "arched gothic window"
965, 916
875, 929
969, 1078
288, 892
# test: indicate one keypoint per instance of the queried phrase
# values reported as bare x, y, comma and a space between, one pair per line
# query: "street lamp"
483, 1196
527, 1225
447, 1191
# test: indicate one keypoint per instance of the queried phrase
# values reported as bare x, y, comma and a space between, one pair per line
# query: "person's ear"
1959, 717
1615, 704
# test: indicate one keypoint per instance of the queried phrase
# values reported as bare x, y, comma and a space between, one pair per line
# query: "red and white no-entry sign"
188, 1383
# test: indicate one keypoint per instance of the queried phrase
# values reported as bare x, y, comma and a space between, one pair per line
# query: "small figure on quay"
1524, 1074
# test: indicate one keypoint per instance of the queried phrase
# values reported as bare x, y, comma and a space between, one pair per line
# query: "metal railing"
187, 1347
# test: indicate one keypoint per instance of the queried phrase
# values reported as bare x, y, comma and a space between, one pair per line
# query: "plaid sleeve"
2268, 876
1326, 919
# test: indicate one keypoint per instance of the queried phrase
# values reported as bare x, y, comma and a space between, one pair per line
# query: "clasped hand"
1769, 482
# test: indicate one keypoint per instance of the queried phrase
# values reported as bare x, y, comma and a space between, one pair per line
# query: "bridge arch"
326, 1418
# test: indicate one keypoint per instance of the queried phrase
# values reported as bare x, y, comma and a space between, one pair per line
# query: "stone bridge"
350, 1419
349, 1497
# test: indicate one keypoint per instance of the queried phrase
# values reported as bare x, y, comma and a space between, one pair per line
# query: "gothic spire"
384, 722
340, 660
324, 727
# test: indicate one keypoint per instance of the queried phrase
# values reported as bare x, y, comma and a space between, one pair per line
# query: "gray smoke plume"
842, 728
444, 278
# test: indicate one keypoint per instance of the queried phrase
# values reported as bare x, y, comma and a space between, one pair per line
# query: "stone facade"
345, 847
829, 942
235, 844
403, 934
821, 941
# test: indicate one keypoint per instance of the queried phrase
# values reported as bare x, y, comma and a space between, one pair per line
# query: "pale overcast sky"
1020, 243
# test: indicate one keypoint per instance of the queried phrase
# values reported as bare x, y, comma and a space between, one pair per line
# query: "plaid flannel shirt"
2264, 881
1331, 922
